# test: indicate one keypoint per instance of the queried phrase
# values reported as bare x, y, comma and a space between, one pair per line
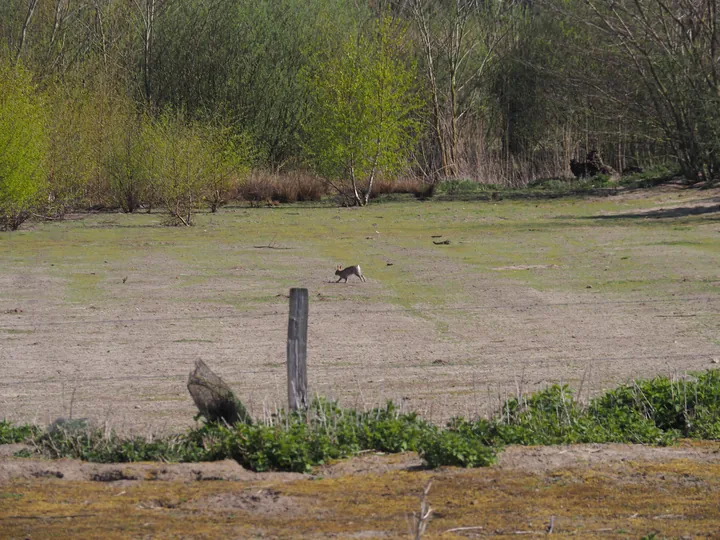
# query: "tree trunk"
32, 4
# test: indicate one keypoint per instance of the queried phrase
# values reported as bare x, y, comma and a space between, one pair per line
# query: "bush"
125, 166
74, 155
455, 449
655, 411
23, 146
230, 158
190, 162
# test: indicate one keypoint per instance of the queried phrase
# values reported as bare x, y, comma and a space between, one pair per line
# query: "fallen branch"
456, 529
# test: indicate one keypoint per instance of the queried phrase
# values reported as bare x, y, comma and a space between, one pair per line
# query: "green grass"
568, 244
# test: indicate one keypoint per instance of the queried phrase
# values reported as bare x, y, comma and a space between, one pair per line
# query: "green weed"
10, 433
657, 411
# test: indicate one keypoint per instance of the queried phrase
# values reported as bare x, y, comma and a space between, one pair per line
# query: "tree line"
168, 103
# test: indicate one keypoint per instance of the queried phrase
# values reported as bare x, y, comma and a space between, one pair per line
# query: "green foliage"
90, 127
191, 162
230, 157
10, 433
512, 91
456, 449
95, 446
459, 187
72, 161
293, 442
649, 178
363, 121
298, 441
655, 411
565, 185
23, 146
245, 64
125, 165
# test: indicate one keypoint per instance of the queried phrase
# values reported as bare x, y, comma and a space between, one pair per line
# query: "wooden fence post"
297, 350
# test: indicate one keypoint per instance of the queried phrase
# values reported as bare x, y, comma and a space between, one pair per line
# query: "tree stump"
213, 398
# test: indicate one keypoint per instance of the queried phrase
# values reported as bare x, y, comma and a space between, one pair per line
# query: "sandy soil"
126, 362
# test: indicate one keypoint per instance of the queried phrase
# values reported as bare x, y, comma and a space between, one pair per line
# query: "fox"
345, 273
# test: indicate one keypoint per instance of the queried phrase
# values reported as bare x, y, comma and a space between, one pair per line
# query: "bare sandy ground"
126, 362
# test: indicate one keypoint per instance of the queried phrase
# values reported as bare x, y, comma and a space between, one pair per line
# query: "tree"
125, 165
662, 60
191, 162
23, 146
363, 121
459, 42
242, 59
230, 156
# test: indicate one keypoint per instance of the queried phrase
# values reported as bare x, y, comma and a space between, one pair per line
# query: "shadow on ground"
664, 213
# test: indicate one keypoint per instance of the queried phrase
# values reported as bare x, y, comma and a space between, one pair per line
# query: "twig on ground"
458, 529
270, 245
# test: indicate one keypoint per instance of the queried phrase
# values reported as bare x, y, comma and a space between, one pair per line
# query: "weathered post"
297, 349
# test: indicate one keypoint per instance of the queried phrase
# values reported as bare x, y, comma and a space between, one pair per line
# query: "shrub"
655, 411
75, 156
455, 449
125, 166
230, 158
190, 162
23, 146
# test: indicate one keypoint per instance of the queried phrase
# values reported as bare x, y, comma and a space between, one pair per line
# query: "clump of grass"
656, 411
460, 187
563, 185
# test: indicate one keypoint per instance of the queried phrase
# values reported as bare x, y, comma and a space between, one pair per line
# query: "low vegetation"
657, 411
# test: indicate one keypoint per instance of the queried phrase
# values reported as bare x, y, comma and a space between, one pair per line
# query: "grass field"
103, 315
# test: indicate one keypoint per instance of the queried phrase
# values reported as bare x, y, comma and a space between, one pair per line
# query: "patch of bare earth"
125, 361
